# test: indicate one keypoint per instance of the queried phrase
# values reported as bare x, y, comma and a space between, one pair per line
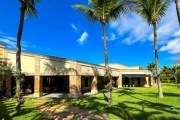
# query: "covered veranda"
136, 80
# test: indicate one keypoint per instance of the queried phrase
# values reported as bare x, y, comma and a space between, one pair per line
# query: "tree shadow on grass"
166, 94
5, 109
130, 110
105, 97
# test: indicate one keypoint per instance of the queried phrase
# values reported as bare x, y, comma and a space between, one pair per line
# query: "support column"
74, 85
37, 66
8, 86
151, 80
38, 85
146, 82
2, 52
94, 85
119, 82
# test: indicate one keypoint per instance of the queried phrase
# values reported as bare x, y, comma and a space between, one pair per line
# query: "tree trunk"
177, 2
110, 97
175, 79
105, 48
18, 58
107, 74
156, 61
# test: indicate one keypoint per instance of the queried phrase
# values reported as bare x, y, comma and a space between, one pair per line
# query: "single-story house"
53, 74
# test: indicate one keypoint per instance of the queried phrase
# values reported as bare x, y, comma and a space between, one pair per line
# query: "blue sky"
60, 31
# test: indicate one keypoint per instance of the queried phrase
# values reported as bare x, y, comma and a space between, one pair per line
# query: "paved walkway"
57, 95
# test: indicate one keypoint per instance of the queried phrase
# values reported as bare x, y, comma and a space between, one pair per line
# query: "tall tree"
177, 2
105, 11
165, 73
27, 8
166, 70
152, 11
175, 70
151, 66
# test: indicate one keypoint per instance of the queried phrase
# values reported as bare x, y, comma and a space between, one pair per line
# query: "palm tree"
177, 62
152, 11
166, 70
175, 70
177, 2
27, 8
165, 73
105, 11
151, 66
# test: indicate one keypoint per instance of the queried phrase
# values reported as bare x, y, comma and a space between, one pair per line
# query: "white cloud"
112, 37
132, 28
83, 37
172, 47
2, 33
74, 27
10, 44
10, 38
176, 34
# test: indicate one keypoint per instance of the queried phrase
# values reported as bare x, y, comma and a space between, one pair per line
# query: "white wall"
54, 67
27, 62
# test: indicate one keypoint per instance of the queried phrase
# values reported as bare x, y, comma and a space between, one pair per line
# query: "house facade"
46, 74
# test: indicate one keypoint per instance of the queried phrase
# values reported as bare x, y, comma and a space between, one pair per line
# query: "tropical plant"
105, 11
177, 2
175, 70
165, 74
152, 11
5, 71
27, 8
166, 70
151, 66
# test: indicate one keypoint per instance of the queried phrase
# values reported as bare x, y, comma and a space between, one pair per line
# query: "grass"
128, 104
135, 104
28, 111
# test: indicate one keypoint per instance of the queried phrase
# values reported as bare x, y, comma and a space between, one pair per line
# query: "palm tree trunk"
177, 2
175, 79
156, 61
107, 67
18, 58
105, 48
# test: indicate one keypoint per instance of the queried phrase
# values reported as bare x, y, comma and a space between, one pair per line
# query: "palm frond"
161, 9
87, 12
151, 10
31, 11
176, 62
121, 8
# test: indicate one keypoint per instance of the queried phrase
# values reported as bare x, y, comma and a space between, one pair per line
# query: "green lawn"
128, 104
136, 104
28, 111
